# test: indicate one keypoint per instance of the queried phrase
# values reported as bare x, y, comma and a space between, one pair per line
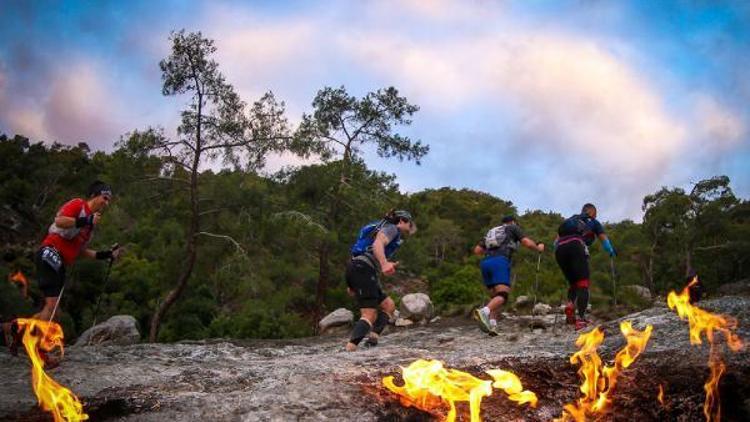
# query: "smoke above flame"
428, 384
700, 322
43, 337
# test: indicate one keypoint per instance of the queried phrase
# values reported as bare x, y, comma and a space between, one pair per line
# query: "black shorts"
51, 280
573, 261
362, 278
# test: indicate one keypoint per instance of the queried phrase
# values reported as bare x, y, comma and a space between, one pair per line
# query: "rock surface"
416, 307
118, 330
340, 316
314, 379
541, 309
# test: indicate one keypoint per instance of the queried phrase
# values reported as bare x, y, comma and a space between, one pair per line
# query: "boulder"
641, 291
522, 301
416, 307
403, 322
340, 316
541, 309
120, 330
741, 287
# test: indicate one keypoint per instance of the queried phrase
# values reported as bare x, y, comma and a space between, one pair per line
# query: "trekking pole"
104, 288
536, 276
57, 302
614, 282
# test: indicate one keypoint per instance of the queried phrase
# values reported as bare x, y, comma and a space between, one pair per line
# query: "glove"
607, 245
113, 253
117, 251
85, 221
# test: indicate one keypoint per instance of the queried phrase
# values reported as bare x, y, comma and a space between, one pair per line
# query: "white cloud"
720, 128
567, 98
80, 107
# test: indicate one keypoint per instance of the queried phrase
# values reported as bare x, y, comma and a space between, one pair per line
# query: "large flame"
21, 280
700, 321
53, 397
599, 380
428, 384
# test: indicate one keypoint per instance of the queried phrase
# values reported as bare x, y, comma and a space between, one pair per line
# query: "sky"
548, 104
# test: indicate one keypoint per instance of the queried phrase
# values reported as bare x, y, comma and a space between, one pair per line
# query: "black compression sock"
571, 294
361, 330
582, 301
380, 323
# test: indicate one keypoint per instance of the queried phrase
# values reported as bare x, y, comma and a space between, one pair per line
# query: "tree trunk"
191, 254
194, 228
324, 251
323, 276
688, 262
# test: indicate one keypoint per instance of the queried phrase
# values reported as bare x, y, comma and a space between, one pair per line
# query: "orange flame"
660, 396
19, 278
599, 380
511, 384
699, 321
53, 397
427, 384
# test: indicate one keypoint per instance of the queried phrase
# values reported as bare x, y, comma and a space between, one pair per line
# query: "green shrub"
461, 287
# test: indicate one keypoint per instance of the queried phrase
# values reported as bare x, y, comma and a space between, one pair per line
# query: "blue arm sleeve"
607, 244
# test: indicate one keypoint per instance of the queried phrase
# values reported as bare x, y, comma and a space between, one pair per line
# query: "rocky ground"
314, 379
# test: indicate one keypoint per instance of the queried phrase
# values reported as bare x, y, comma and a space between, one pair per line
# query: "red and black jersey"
70, 242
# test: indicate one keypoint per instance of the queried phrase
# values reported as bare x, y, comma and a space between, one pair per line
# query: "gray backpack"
495, 237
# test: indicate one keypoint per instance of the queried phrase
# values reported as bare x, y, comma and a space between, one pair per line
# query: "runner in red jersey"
67, 238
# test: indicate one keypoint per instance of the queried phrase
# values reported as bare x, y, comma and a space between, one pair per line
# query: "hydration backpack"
367, 236
495, 238
575, 225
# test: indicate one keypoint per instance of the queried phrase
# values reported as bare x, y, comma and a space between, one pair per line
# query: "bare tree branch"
225, 237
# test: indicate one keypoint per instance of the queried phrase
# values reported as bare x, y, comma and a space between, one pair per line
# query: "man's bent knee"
370, 314
388, 305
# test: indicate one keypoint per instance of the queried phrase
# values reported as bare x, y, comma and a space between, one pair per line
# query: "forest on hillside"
218, 247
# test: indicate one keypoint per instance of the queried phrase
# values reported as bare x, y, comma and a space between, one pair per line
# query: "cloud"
720, 129
79, 107
568, 98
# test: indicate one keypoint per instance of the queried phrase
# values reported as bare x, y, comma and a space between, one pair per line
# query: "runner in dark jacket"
575, 235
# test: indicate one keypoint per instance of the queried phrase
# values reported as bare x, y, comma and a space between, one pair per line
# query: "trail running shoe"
570, 317
484, 320
370, 341
582, 324
493, 331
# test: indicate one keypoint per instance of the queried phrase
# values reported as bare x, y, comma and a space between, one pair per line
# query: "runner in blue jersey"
371, 255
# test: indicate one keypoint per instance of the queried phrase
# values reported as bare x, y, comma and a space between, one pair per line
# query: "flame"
599, 380
699, 321
53, 397
19, 278
511, 384
660, 396
427, 384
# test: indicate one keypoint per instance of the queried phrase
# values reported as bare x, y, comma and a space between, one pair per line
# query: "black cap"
403, 215
99, 188
508, 219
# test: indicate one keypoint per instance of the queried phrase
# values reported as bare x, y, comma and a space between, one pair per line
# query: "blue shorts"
495, 270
